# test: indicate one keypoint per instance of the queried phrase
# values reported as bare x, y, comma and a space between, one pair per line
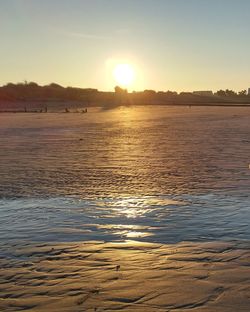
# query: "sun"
124, 74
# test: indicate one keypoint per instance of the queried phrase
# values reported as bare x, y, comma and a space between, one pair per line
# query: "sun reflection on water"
134, 210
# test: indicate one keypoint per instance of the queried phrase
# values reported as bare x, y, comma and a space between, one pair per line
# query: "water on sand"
156, 175
159, 174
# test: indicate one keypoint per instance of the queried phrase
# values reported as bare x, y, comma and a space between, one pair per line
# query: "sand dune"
129, 276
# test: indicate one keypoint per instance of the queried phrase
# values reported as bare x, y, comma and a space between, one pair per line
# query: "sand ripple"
129, 276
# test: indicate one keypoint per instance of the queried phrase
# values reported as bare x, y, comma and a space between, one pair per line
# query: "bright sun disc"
124, 74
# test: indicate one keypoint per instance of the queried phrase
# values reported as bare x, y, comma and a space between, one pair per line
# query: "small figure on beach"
118, 267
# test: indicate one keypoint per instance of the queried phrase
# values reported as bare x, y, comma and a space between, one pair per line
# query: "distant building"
205, 93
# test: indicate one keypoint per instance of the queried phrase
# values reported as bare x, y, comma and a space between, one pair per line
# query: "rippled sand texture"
157, 174
126, 151
128, 276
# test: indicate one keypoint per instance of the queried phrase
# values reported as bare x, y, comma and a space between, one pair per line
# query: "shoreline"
209, 104
74, 107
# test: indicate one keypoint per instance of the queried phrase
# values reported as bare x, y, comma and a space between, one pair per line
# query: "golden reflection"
131, 207
129, 230
127, 116
134, 234
138, 207
135, 208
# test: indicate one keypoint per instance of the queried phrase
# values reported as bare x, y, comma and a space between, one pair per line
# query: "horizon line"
25, 82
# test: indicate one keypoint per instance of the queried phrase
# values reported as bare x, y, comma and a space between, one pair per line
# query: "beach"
128, 209
127, 276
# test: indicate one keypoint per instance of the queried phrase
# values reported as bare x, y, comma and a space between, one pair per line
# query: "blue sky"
172, 44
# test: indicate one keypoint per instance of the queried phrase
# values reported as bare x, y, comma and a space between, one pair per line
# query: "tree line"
31, 91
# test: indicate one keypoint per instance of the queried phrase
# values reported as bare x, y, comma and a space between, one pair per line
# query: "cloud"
85, 36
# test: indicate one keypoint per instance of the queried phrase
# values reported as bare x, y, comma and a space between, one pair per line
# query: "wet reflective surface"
154, 219
155, 174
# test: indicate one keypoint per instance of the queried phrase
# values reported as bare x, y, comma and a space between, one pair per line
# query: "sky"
179, 45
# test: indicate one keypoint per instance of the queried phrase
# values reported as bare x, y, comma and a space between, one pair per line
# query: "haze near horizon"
170, 45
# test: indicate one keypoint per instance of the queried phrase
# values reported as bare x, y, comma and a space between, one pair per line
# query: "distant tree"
168, 93
32, 84
55, 85
121, 95
171, 93
221, 93
242, 93
119, 90
9, 85
230, 93
149, 92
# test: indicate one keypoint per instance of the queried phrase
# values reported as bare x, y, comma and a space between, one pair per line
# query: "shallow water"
157, 174
155, 219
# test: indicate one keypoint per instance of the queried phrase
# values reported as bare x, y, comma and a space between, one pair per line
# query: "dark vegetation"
29, 96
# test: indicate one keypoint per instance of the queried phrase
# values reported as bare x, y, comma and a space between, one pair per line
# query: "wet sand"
127, 151
69, 179
128, 276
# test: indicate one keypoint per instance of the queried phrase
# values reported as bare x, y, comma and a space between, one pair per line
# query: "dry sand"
129, 276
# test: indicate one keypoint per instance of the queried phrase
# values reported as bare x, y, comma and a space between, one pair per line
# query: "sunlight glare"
124, 74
